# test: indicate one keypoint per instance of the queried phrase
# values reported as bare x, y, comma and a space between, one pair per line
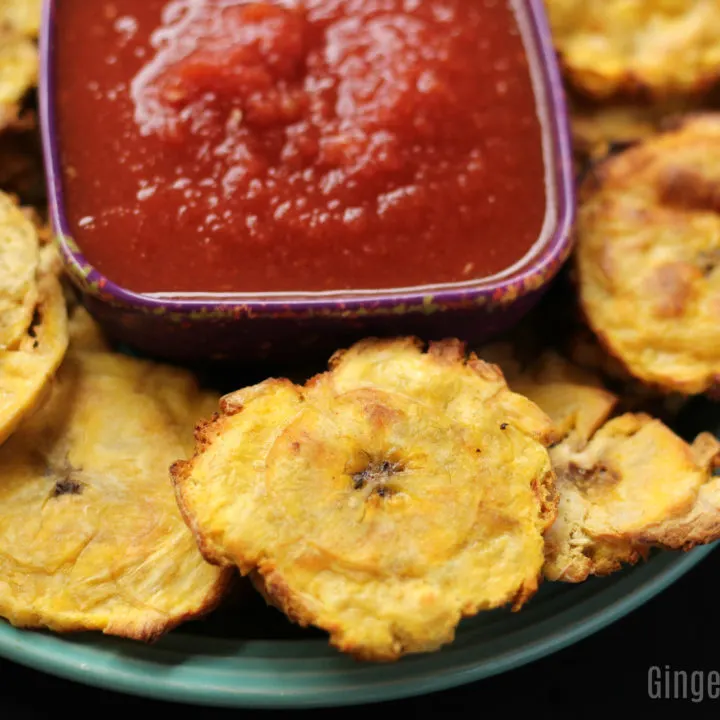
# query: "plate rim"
48, 653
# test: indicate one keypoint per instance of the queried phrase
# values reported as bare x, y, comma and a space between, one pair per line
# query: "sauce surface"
297, 145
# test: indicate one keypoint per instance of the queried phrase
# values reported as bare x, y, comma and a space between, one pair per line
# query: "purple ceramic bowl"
252, 327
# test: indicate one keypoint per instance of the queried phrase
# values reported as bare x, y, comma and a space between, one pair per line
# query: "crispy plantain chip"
625, 485
90, 534
23, 16
383, 501
33, 320
19, 268
648, 257
85, 333
596, 130
635, 485
19, 66
658, 48
599, 129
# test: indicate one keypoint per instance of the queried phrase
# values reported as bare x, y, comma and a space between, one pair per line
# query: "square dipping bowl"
248, 328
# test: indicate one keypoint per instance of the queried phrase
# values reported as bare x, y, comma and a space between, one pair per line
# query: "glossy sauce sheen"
304, 145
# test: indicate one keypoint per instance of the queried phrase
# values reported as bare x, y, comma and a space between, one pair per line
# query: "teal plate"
246, 655
193, 668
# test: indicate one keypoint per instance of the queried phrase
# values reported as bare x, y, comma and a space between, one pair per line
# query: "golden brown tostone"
384, 500
648, 260
625, 484
658, 49
90, 534
33, 318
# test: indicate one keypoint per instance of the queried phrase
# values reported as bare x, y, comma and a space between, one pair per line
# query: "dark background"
680, 628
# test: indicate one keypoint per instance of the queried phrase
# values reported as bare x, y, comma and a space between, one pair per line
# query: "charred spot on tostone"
708, 260
384, 491
34, 325
360, 480
595, 477
67, 486
673, 285
579, 471
616, 147
376, 474
66, 482
688, 188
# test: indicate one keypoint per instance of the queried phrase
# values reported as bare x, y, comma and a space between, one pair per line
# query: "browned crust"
657, 388
712, 391
592, 139
547, 495
448, 351
585, 348
276, 593
205, 434
687, 188
148, 632
525, 593
596, 564
371, 342
701, 524
694, 530
601, 168
152, 632
49, 310
180, 476
630, 86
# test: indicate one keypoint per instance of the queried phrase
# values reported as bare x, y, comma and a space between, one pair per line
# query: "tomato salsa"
297, 145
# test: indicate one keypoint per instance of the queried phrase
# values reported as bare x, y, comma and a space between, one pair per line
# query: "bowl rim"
537, 268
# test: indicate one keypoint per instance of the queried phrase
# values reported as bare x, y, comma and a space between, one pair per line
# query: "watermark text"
667, 683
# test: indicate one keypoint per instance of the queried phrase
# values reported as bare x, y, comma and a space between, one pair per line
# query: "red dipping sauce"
297, 145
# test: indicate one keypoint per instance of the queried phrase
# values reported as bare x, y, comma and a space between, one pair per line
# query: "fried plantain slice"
596, 130
648, 257
625, 484
383, 501
85, 333
23, 16
599, 129
636, 485
597, 133
621, 47
19, 266
19, 66
35, 337
90, 534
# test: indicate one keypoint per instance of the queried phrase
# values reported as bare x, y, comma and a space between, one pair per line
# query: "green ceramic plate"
192, 666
